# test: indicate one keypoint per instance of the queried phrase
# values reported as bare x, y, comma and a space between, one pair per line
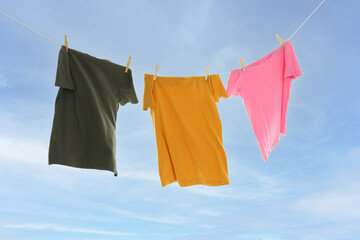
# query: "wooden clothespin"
281, 41
128, 64
207, 72
242, 64
156, 71
66, 44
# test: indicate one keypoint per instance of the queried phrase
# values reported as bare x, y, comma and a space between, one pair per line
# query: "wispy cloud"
29, 150
168, 219
354, 153
212, 192
225, 57
59, 228
129, 173
229, 193
23, 149
189, 30
255, 185
341, 197
3, 81
208, 212
338, 204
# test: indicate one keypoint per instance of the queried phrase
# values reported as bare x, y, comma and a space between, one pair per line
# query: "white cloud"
3, 81
32, 151
211, 192
338, 204
208, 212
22, 149
226, 57
226, 193
58, 228
139, 175
340, 199
255, 185
354, 153
169, 219
206, 226
315, 121
190, 30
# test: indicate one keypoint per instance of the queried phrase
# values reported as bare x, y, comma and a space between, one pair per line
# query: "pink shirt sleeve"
292, 67
233, 85
291, 71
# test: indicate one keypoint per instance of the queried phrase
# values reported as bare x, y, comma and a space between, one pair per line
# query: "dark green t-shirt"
86, 106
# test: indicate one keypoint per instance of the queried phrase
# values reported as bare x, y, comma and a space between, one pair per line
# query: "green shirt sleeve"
127, 90
63, 74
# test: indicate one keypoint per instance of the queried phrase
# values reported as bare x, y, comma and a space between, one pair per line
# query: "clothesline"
139, 72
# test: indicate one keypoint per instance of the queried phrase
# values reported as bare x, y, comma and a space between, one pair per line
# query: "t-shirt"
188, 129
265, 89
83, 132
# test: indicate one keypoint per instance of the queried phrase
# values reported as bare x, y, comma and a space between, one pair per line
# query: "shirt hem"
187, 183
85, 167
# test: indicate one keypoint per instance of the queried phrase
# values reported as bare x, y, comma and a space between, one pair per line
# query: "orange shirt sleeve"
218, 89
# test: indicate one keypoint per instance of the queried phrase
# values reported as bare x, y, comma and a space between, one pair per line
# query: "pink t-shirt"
265, 89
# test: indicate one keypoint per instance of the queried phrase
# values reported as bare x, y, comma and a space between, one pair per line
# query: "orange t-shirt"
188, 129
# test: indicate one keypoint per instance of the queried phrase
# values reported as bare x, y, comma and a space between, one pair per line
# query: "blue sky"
308, 190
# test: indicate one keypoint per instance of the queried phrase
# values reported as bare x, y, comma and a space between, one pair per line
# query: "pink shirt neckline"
260, 62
